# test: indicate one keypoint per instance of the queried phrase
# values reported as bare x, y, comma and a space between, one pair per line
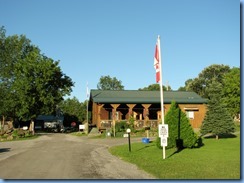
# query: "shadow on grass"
146, 146
180, 147
212, 136
176, 152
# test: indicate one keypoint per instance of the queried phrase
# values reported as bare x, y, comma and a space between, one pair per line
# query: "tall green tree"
40, 85
12, 50
217, 120
109, 83
7, 104
228, 78
205, 78
73, 107
184, 88
34, 83
231, 92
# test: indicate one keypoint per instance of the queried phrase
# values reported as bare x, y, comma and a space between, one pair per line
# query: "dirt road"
63, 156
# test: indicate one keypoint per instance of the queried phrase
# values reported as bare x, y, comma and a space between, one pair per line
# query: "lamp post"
128, 131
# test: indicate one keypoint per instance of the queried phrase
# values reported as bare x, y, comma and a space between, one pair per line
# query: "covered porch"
144, 115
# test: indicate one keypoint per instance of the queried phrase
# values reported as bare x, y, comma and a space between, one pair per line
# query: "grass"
78, 134
217, 159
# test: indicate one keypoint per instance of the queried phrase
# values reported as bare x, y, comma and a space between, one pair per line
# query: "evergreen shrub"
180, 132
121, 126
217, 120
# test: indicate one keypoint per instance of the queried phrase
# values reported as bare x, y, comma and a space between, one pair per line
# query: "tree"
72, 107
217, 119
231, 91
6, 104
155, 87
228, 78
40, 85
12, 50
184, 88
205, 78
108, 83
181, 133
34, 83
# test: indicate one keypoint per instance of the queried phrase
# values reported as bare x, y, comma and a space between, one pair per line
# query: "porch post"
131, 106
115, 106
146, 112
99, 115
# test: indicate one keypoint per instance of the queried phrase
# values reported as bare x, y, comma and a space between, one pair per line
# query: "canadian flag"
156, 62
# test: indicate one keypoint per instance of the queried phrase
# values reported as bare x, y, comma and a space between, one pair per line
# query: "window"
190, 114
190, 111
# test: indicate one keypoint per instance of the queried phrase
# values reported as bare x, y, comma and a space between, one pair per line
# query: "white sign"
81, 127
163, 131
25, 127
126, 135
164, 141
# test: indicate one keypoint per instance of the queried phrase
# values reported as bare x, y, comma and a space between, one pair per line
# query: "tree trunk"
2, 125
31, 128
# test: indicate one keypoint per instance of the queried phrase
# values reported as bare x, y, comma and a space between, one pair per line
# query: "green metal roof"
146, 97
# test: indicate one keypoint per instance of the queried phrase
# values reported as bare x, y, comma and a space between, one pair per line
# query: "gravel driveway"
63, 156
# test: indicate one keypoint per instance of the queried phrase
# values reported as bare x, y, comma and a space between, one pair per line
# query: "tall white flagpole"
161, 88
161, 81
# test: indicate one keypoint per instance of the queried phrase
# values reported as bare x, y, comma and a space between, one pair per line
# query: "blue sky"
94, 38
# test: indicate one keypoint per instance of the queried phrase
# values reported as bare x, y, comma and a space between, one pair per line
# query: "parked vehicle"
53, 126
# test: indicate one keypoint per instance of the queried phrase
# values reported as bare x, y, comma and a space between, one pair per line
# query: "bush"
158, 143
28, 134
2, 132
181, 133
15, 134
21, 133
120, 134
4, 136
132, 124
121, 126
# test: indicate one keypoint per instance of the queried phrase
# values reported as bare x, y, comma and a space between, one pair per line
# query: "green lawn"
217, 159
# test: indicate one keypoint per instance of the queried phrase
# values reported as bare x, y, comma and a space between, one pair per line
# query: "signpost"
163, 131
164, 141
